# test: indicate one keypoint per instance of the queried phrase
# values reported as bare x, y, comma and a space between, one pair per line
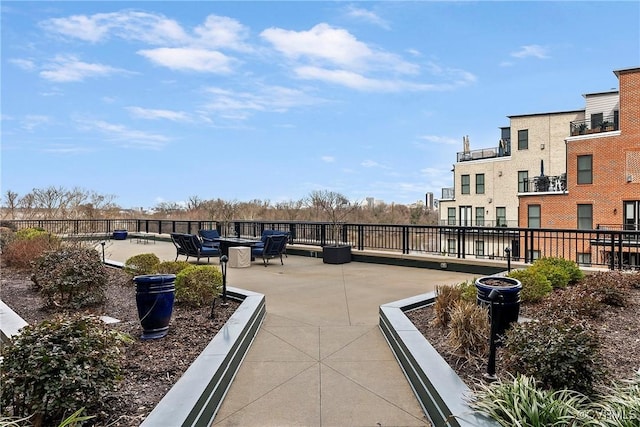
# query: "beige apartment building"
487, 181
530, 158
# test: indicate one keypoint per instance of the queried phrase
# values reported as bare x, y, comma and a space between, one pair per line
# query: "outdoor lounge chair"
191, 245
274, 247
267, 233
209, 238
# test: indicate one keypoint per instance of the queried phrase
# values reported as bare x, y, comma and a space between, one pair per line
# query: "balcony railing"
448, 193
615, 249
503, 149
588, 126
544, 184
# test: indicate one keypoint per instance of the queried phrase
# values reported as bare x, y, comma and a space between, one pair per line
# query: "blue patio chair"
274, 247
209, 238
191, 245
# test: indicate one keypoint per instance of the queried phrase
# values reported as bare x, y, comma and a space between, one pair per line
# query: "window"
465, 187
451, 216
632, 215
451, 246
584, 259
480, 217
501, 217
596, 120
585, 169
523, 181
533, 216
479, 247
523, 139
479, 183
585, 217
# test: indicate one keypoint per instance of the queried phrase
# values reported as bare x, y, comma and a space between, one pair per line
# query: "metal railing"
588, 126
605, 247
544, 183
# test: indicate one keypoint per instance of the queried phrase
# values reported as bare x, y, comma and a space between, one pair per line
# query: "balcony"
590, 126
544, 184
502, 150
448, 193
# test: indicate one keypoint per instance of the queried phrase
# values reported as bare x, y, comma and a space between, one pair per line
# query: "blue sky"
159, 101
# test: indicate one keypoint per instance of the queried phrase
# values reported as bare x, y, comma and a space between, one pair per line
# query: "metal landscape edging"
195, 399
439, 390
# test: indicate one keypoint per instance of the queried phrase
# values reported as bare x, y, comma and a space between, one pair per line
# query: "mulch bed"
618, 328
151, 366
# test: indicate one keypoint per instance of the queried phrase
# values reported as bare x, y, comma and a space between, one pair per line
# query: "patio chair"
267, 233
274, 246
209, 238
191, 245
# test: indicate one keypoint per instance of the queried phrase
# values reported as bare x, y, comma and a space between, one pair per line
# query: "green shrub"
446, 297
469, 290
520, 402
142, 264
21, 252
610, 287
575, 302
70, 278
535, 286
31, 233
172, 267
559, 354
468, 329
559, 271
51, 369
198, 285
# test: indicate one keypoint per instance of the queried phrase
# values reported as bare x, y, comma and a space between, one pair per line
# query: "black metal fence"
615, 249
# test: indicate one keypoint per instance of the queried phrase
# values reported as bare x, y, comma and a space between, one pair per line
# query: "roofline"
626, 70
581, 110
606, 92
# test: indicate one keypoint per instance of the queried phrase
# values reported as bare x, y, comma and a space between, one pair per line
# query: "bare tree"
335, 206
10, 204
290, 210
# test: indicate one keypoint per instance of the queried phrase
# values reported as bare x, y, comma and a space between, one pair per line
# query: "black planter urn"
340, 254
506, 304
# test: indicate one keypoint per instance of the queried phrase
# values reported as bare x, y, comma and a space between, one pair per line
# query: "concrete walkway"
319, 358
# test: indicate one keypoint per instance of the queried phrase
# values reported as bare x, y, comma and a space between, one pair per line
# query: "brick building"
602, 173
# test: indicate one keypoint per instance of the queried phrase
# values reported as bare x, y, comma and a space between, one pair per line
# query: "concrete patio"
319, 358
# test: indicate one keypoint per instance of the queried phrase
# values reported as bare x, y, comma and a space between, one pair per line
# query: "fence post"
323, 234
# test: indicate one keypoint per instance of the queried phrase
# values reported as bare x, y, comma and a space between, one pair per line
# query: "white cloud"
150, 28
33, 121
358, 81
192, 59
367, 16
328, 159
441, 139
68, 68
25, 64
151, 114
238, 104
534, 50
128, 138
222, 32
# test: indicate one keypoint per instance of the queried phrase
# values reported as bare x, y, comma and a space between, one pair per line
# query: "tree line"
320, 205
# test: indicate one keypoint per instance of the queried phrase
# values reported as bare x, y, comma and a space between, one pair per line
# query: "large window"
465, 216
585, 217
451, 216
533, 216
585, 169
501, 217
465, 184
480, 217
479, 247
596, 120
523, 139
479, 183
523, 181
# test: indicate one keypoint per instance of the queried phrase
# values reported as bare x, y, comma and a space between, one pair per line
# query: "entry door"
632, 215
465, 215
